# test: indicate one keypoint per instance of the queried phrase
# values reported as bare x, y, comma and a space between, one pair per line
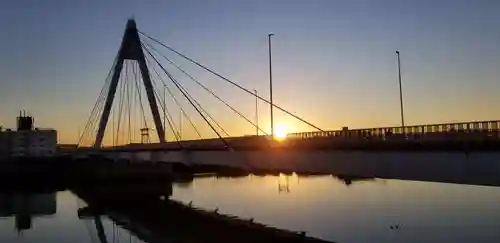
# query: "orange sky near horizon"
334, 63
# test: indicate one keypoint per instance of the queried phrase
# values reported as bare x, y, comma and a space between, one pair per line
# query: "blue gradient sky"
334, 61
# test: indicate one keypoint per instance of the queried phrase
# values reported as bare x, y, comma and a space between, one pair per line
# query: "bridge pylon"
130, 49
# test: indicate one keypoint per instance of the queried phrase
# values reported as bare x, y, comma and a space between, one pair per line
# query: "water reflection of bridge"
159, 220
162, 220
137, 209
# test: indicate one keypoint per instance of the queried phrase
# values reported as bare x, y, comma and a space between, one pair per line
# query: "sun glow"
280, 132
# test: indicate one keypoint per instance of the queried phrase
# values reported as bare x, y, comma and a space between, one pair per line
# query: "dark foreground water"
323, 206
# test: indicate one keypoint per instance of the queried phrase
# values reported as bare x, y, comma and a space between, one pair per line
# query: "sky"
334, 62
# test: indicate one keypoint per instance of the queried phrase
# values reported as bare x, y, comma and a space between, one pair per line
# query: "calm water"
323, 206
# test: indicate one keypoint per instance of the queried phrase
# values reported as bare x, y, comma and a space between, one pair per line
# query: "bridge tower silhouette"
130, 49
137, 55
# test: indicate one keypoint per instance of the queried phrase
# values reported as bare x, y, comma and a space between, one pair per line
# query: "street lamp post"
256, 113
180, 124
401, 94
271, 84
164, 109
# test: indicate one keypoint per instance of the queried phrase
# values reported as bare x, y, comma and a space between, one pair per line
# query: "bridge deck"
451, 136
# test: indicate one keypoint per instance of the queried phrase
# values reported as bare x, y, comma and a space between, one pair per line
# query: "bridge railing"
432, 131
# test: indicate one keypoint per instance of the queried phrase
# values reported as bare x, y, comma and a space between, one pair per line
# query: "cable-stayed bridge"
138, 64
131, 101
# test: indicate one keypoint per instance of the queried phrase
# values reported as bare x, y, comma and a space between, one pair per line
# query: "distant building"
27, 140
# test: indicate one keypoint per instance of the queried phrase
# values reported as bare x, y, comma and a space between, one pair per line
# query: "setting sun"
280, 132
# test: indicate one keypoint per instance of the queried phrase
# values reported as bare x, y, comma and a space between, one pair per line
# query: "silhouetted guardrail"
461, 130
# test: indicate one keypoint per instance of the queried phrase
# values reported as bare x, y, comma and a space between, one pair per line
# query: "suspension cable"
128, 103
121, 90
163, 106
113, 127
134, 102
205, 88
190, 101
199, 105
95, 116
196, 102
193, 99
94, 119
169, 118
99, 98
92, 115
137, 85
229, 81
177, 102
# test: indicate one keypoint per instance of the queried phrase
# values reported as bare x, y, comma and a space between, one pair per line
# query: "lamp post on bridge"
164, 109
271, 84
256, 113
401, 94
180, 124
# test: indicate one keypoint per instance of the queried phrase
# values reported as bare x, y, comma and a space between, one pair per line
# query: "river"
345, 211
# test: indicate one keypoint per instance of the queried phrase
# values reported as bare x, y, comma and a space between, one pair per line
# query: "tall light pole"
180, 124
77, 135
271, 84
401, 94
164, 109
256, 113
